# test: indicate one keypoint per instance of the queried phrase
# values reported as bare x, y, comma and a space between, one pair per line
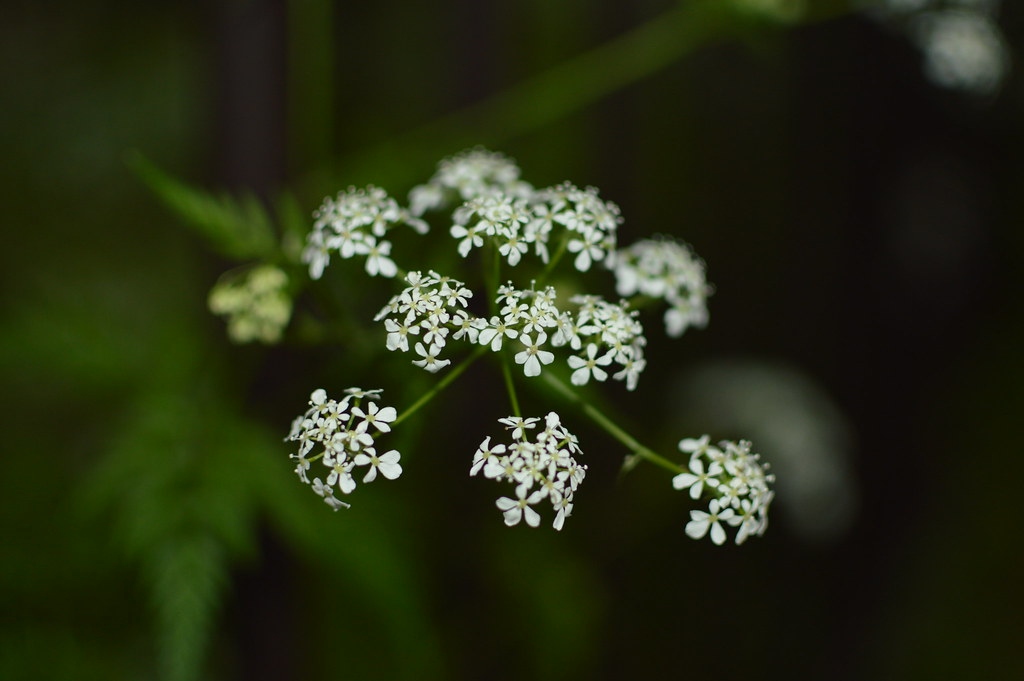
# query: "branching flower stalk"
525, 235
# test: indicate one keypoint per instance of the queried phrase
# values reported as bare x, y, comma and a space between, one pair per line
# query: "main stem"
610, 426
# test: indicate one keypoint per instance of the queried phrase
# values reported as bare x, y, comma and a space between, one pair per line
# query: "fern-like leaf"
238, 228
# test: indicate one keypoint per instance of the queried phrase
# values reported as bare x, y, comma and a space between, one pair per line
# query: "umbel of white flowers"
529, 325
737, 482
340, 437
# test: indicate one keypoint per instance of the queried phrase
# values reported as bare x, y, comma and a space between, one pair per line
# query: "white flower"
377, 261
701, 521
470, 238
465, 326
375, 416
513, 249
398, 334
341, 476
486, 457
387, 463
494, 333
564, 507
588, 251
591, 365
695, 481
631, 371
533, 357
430, 362
328, 496
519, 425
747, 520
350, 240
515, 509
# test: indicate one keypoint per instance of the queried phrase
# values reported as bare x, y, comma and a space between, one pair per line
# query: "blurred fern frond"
238, 228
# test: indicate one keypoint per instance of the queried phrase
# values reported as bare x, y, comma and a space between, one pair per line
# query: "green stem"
509, 385
610, 426
554, 259
440, 385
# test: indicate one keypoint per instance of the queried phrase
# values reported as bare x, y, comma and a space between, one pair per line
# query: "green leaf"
186, 575
172, 492
238, 228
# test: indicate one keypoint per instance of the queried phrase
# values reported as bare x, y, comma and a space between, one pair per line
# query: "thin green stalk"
440, 385
509, 385
610, 426
554, 259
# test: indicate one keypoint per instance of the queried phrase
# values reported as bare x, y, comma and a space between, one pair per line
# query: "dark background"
861, 227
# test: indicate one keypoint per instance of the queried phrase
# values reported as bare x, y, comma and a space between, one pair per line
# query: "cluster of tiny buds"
354, 223
737, 482
256, 304
345, 433
541, 468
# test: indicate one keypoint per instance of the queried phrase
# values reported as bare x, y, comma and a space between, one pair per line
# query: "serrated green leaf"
172, 491
238, 228
186, 577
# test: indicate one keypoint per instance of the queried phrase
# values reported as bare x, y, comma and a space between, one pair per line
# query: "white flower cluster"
513, 223
736, 480
600, 326
592, 222
343, 430
665, 269
471, 174
493, 208
256, 304
433, 308
354, 223
508, 221
540, 469
603, 332
433, 305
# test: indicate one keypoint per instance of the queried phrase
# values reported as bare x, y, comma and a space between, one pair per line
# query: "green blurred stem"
441, 385
506, 371
552, 95
554, 259
610, 426
578, 82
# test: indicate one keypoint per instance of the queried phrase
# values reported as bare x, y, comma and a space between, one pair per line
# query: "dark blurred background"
853, 188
